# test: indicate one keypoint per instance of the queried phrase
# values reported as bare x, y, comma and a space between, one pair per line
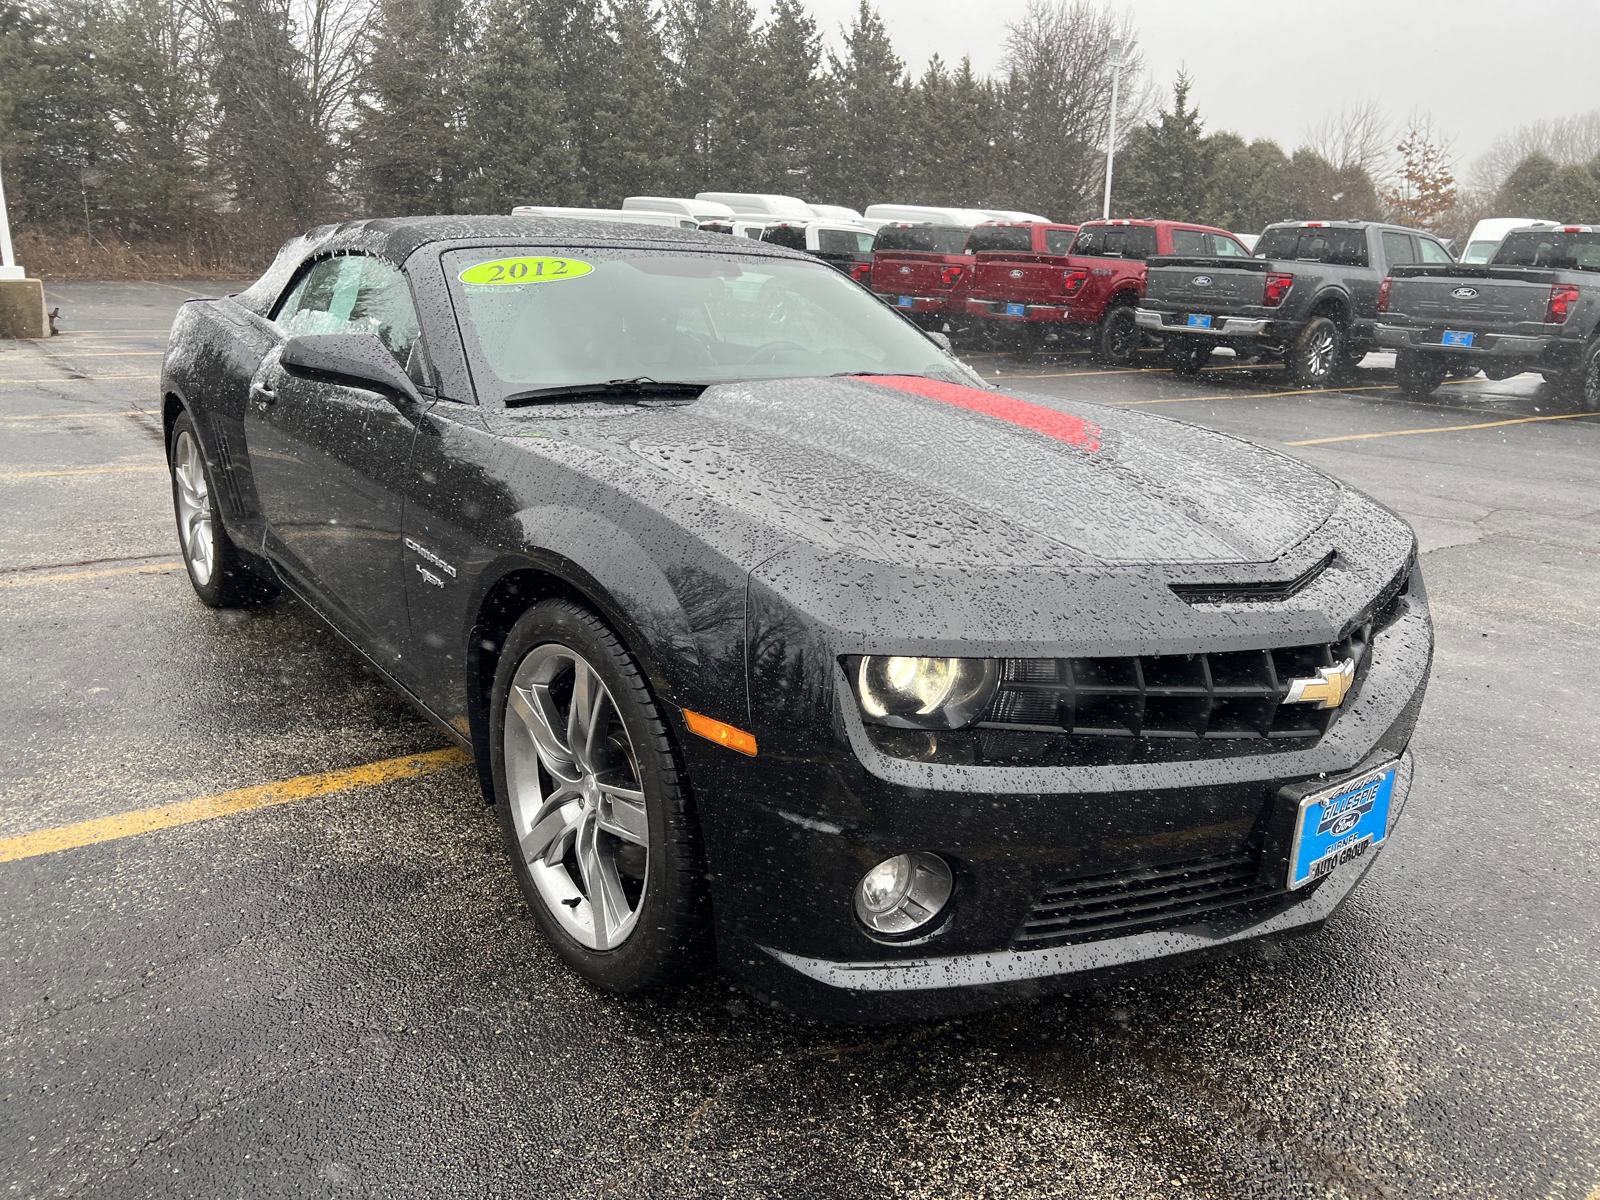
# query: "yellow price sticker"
502, 271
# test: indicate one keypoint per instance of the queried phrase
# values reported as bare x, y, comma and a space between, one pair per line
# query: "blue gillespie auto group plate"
1340, 824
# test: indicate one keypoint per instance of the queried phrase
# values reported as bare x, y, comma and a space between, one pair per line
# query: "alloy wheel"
193, 499
576, 799
1320, 353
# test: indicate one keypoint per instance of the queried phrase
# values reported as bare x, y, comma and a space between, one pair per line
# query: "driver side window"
353, 294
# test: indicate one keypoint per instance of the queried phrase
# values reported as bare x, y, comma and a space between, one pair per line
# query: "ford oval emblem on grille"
1202, 281
1016, 274
1465, 293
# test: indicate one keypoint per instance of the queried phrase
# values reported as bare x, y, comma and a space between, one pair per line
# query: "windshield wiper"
638, 387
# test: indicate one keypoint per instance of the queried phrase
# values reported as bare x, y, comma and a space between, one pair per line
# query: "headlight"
925, 693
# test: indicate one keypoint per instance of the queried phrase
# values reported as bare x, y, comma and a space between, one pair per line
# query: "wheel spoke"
583, 719
552, 830
622, 813
608, 903
535, 710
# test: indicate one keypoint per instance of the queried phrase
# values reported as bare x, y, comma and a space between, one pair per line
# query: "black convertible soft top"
397, 238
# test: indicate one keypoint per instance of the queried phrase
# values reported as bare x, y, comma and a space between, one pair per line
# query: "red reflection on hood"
1075, 431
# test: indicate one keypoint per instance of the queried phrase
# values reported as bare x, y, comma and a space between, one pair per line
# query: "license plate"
906, 301
1340, 824
1016, 310
1199, 321
1453, 337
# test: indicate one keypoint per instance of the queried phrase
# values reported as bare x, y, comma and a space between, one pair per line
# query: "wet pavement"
340, 994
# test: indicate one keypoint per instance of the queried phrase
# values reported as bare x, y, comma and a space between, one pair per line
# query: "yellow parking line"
1373, 387
1077, 374
75, 415
77, 354
62, 472
28, 580
89, 333
226, 804
78, 378
1388, 433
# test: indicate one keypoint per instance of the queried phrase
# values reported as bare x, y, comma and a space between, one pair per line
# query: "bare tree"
1058, 91
1359, 135
1567, 141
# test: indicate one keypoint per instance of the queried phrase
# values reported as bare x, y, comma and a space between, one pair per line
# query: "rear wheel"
221, 576
1117, 338
591, 804
1588, 378
1187, 356
1418, 375
1315, 354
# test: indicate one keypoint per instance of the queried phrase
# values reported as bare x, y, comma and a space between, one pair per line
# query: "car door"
332, 461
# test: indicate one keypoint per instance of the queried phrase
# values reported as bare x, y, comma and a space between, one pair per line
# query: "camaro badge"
1327, 688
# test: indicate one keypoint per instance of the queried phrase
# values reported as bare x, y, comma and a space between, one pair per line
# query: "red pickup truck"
920, 269
1088, 289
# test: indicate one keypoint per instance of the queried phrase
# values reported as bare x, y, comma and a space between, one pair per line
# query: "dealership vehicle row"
1306, 293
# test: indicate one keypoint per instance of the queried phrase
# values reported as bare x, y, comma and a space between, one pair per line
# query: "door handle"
263, 395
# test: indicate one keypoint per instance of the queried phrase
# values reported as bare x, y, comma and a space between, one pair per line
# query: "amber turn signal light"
720, 732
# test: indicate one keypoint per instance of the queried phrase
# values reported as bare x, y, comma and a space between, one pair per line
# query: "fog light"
903, 893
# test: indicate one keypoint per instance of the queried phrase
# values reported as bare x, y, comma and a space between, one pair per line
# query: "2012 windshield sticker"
510, 272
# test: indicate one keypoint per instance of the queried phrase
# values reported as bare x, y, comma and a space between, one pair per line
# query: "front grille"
1122, 903
1223, 694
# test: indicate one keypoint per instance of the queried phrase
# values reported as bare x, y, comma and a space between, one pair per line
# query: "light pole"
8, 259
1111, 132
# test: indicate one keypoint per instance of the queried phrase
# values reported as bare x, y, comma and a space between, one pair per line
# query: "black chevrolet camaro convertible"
778, 637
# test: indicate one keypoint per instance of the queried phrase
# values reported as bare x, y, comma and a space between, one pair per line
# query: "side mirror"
941, 340
354, 358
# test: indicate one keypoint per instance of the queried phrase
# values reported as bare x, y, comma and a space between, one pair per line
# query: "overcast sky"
1270, 68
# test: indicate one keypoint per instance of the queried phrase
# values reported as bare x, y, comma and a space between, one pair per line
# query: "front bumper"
1487, 344
1158, 321
789, 833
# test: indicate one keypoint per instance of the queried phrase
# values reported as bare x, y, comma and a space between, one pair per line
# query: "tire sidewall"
1111, 325
650, 953
1588, 382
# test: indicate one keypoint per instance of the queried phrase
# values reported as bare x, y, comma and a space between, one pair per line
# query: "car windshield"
1479, 252
535, 319
1550, 248
925, 239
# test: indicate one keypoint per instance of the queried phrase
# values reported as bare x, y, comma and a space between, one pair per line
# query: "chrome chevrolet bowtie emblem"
1327, 688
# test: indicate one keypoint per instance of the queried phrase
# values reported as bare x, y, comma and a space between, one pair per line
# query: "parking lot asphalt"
260, 940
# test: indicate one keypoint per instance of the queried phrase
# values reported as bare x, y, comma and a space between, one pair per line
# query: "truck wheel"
221, 576
1187, 356
1418, 375
592, 804
1588, 378
1314, 355
1117, 339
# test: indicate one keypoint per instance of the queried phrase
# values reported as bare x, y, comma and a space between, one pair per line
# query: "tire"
1417, 375
642, 854
221, 575
1117, 337
1586, 381
1187, 356
1314, 355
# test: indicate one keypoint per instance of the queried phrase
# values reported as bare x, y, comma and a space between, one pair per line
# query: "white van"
761, 204
625, 216
1014, 217
737, 227
835, 212
919, 214
700, 210
1489, 233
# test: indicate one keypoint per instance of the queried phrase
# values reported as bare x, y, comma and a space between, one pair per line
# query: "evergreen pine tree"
634, 152
517, 145
713, 45
784, 129
407, 136
866, 147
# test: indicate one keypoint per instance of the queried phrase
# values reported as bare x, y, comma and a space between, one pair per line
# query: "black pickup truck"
1309, 295
1534, 307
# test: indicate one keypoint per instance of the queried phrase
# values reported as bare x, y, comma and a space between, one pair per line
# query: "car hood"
915, 472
